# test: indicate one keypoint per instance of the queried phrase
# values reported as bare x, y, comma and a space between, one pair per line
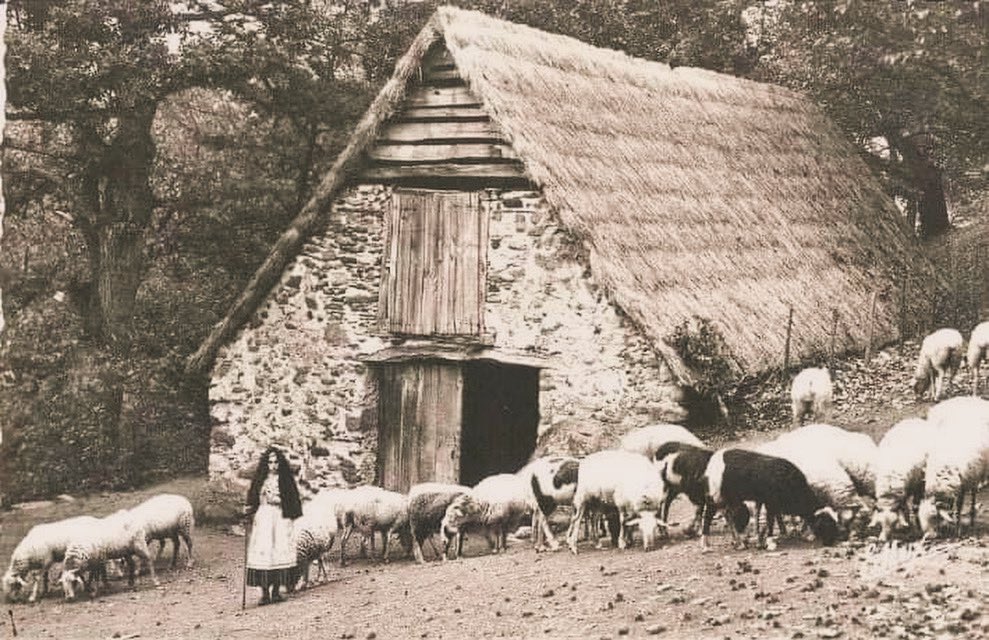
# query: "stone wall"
293, 375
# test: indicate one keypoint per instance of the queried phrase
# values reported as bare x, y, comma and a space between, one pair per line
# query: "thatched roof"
698, 195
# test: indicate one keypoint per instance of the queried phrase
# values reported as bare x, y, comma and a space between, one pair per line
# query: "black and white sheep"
427, 507
627, 486
682, 469
735, 476
552, 481
370, 509
494, 506
646, 440
43, 546
115, 536
940, 355
957, 463
315, 533
811, 395
978, 350
167, 517
900, 465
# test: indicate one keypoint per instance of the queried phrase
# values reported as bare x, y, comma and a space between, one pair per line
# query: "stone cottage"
517, 229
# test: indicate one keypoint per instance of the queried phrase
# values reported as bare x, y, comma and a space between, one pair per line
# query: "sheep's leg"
547, 532
187, 537
575, 521
343, 545
971, 512
34, 589
146, 558
130, 570
959, 505
44, 578
504, 537
706, 525
614, 522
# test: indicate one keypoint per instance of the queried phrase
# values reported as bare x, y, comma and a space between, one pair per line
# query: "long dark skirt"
265, 578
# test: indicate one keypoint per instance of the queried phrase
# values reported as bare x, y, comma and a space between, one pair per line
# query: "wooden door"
433, 281
419, 405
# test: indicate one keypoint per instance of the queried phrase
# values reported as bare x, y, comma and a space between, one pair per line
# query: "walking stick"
247, 539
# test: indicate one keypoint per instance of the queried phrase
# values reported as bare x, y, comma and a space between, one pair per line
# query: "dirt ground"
854, 590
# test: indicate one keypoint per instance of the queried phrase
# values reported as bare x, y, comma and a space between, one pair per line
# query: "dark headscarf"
288, 491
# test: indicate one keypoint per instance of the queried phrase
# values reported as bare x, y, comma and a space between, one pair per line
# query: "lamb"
115, 536
811, 395
552, 481
495, 505
167, 516
625, 483
855, 452
900, 467
978, 350
427, 507
940, 356
737, 475
646, 440
956, 465
315, 533
682, 470
369, 509
43, 546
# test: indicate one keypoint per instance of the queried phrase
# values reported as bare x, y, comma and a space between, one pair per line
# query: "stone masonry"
293, 375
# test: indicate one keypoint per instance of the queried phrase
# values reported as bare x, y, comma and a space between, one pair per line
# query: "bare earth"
676, 591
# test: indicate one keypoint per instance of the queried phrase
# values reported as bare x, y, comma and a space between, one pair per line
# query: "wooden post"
903, 311
786, 349
872, 327
834, 337
977, 278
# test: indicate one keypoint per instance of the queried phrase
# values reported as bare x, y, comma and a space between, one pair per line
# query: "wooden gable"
442, 136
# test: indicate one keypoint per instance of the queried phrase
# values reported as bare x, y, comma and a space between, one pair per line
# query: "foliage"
702, 348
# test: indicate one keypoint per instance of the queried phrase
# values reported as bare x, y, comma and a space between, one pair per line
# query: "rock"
655, 629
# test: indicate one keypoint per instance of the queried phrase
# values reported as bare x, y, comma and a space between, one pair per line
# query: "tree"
905, 79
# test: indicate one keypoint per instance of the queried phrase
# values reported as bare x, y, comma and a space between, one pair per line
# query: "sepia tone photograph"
419, 319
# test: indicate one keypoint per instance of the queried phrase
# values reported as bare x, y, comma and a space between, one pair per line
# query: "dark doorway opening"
500, 419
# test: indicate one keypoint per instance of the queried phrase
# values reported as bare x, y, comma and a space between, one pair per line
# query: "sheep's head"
931, 515
71, 580
739, 516
12, 585
649, 526
920, 385
887, 519
461, 511
824, 524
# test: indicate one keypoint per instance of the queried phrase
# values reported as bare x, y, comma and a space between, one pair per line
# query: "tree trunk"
124, 202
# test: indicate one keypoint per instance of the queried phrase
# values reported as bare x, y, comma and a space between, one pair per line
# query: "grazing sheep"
735, 476
166, 516
900, 468
43, 546
621, 482
646, 440
940, 355
811, 395
315, 533
956, 466
855, 452
683, 467
115, 536
494, 506
552, 481
978, 350
372, 509
427, 507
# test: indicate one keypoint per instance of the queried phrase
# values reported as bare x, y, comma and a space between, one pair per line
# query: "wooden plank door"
433, 282
420, 407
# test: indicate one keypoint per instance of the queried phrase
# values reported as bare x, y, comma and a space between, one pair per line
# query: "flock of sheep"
917, 477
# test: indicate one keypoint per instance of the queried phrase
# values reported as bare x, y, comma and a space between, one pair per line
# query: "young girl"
273, 500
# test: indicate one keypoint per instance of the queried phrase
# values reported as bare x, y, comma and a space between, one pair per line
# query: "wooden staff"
247, 539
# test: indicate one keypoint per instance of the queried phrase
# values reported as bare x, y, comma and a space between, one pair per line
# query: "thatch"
699, 195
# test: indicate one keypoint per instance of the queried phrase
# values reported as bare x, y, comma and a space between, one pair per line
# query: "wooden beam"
442, 97
440, 131
435, 114
443, 170
440, 152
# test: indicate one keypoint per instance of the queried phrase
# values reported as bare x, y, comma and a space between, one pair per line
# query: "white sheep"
314, 533
978, 350
427, 507
495, 505
370, 509
43, 546
628, 485
646, 440
940, 355
551, 481
900, 468
167, 516
811, 395
855, 452
957, 464
115, 536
